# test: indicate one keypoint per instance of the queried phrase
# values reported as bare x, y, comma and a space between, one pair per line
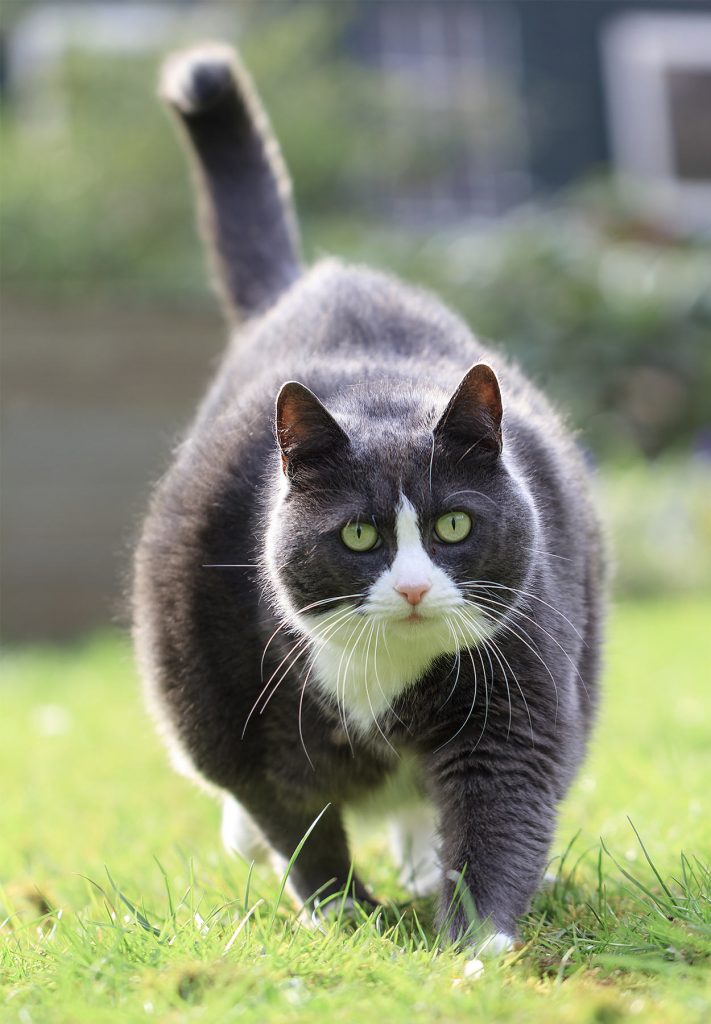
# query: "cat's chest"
366, 680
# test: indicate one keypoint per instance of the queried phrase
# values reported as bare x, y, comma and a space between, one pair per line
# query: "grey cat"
380, 580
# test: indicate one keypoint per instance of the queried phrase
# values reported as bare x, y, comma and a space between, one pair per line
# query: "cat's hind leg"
240, 834
321, 871
414, 844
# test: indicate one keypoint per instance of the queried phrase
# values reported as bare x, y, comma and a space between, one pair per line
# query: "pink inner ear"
304, 427
483, 388
489, 396
288, 417
474, 412
297, 411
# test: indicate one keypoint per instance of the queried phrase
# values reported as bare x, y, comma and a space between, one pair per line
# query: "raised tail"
246, 214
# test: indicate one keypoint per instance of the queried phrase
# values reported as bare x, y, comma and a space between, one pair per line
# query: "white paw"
493, 946
323, 915
472, 971
496, 945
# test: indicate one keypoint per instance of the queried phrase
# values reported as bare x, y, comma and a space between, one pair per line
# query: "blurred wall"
95, 395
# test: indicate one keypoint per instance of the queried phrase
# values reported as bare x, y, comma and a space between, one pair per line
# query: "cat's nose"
413, 592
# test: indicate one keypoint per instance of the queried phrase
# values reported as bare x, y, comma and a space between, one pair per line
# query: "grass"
117, 903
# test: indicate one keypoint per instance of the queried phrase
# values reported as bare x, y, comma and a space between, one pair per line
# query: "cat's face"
393, 544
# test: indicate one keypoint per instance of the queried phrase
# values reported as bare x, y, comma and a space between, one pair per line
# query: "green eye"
360, 536
453, 527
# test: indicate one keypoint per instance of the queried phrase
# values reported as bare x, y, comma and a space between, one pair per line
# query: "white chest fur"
366, 673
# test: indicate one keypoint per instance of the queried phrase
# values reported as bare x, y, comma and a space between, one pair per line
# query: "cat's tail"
246, 215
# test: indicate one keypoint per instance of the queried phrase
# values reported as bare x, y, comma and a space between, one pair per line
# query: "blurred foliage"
612, 320
659, 521
95, 193
611, 315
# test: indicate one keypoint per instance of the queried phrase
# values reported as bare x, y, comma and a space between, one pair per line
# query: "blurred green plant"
614, 325
659, 520
610, 315
95, 192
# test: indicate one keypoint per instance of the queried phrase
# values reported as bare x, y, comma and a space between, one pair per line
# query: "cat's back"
368, 346
342, 327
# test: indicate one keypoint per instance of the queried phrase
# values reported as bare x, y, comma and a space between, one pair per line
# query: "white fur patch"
496, 945
177, 79
240, 835
367, 658
413, 840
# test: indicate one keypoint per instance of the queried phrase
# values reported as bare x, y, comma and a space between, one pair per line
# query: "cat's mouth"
417, 618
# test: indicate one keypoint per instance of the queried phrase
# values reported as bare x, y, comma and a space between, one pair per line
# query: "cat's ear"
472, 420
305, 429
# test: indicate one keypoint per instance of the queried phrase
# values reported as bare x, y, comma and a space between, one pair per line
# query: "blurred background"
544, 166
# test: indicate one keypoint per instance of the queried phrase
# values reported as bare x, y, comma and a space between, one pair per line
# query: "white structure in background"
657, 70
455, 71
40, 40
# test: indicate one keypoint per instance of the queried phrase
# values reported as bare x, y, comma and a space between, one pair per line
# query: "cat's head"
400, 522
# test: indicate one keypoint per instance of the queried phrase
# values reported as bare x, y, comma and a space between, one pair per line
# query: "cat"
373, 572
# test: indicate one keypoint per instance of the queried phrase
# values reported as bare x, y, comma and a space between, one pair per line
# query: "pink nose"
413, 592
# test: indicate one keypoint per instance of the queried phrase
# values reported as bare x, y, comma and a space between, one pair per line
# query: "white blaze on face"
391, 641
412, 570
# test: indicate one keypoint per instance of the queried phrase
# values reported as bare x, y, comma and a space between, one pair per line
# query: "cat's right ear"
471, 423
305, 430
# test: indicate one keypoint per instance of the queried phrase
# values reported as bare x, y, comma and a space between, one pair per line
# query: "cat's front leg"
322, 869
497, 814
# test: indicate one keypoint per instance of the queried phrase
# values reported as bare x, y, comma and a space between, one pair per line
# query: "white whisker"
324, 640
471, 709
301, 611
470, 491
517, 611
532, 646
367, 693
499, 655
342, 708
457, 663
480, 584
479, 634
377, 677
300, 645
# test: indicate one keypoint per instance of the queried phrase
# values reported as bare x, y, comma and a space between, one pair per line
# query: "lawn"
117, 902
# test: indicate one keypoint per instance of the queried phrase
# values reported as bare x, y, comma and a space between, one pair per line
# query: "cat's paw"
471, 971
324, 914
195, 80
349, 911
495, 945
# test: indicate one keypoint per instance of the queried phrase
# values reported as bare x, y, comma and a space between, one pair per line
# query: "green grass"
118, 904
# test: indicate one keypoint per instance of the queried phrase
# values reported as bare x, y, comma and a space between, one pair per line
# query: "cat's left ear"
472, 419
306, 431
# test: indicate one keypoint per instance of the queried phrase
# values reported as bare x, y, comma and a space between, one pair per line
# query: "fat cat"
373, 570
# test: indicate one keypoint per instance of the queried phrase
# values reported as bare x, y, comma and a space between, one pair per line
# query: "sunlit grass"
118, 903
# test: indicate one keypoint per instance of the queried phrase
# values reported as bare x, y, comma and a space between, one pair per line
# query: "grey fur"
385, 361
246, 216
